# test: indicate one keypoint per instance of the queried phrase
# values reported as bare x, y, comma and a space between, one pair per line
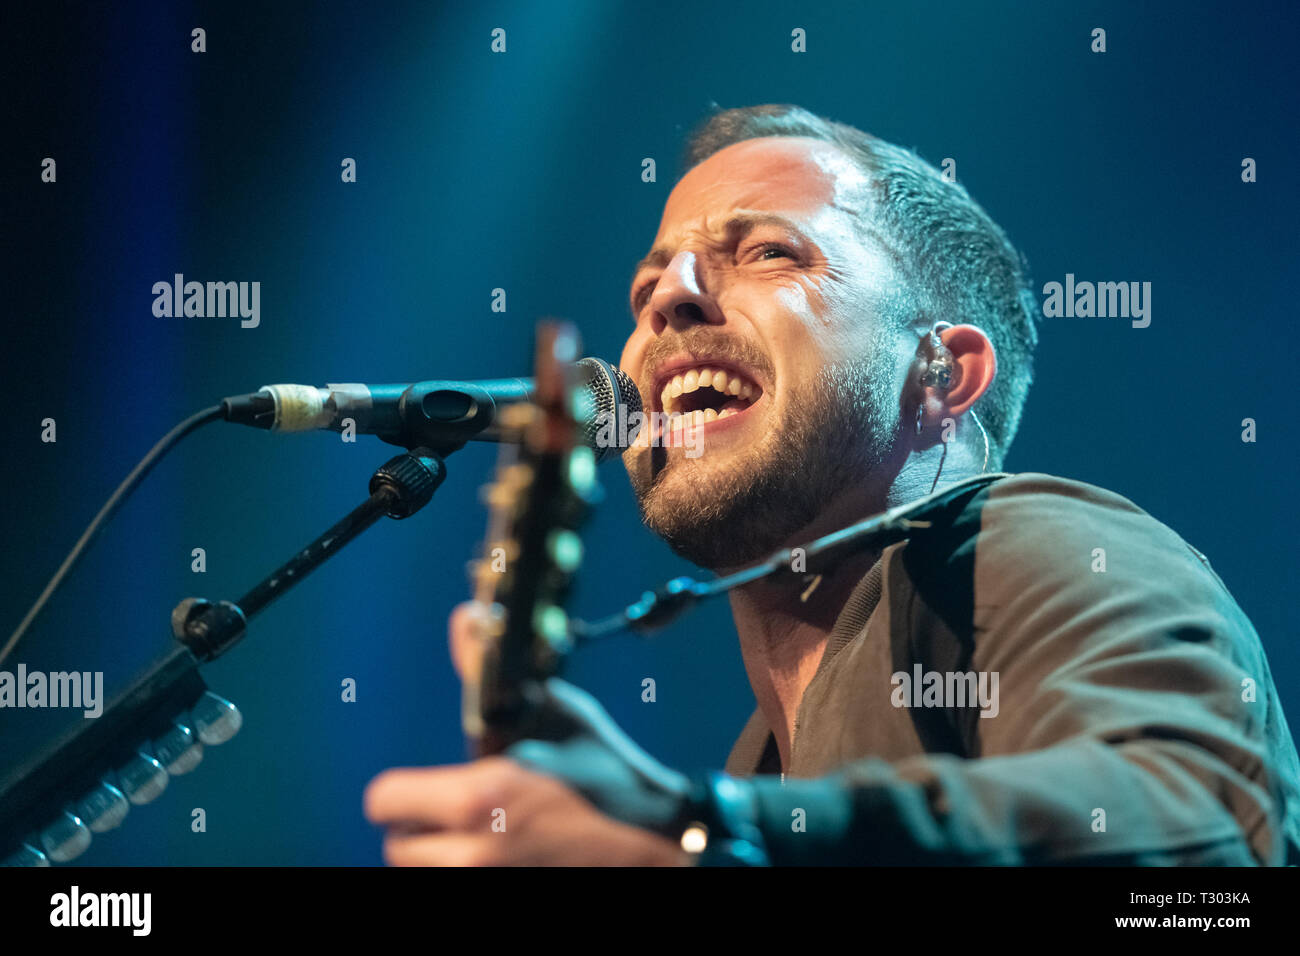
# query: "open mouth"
697, 394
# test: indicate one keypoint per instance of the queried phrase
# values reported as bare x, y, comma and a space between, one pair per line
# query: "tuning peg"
216, 719
510, 484
26, 855
518, 416
582, 473
65, 839
143, 778
179, 750
552, 625
103, 808
565, 549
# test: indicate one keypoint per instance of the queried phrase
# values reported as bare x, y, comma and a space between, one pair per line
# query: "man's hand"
493, 812
502, 811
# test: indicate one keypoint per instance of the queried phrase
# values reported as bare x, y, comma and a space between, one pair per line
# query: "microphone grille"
606, 407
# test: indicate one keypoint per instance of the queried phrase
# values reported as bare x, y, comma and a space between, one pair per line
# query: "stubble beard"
746, 503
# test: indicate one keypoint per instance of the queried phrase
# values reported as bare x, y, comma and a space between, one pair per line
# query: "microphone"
443, 413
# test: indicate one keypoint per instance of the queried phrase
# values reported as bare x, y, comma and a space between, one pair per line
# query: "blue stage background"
522, 171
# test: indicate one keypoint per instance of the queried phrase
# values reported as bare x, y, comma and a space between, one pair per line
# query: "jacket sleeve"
1137, 722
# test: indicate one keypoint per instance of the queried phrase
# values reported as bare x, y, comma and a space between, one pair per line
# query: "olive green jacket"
1047, 675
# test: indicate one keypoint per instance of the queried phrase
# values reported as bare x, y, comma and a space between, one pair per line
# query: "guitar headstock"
544, 486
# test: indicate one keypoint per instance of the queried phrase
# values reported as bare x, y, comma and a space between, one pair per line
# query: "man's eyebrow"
737, 226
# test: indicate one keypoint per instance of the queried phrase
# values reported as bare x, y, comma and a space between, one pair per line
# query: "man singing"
1046, 674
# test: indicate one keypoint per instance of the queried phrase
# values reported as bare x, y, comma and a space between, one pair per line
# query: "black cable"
127, 486
659, 607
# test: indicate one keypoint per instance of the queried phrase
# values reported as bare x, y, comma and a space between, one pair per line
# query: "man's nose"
679, 299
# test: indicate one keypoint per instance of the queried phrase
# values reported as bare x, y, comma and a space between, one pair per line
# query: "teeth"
699, 417
722, 382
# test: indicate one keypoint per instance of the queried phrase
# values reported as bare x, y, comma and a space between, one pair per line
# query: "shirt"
1046, 675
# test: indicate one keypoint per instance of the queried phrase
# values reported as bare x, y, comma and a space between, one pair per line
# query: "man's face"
764, 317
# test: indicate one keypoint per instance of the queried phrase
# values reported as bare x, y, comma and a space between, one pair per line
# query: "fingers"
576, 840
495, 813
460, 797
466, 630
439, 849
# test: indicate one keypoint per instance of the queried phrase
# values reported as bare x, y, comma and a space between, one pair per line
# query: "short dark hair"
961, 264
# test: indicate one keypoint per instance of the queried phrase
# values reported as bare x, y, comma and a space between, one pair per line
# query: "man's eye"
642, 296
764, 251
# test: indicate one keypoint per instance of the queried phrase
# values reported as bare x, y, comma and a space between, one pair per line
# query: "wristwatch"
720, 822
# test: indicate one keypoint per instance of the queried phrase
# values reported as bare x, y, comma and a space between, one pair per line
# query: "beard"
831, 434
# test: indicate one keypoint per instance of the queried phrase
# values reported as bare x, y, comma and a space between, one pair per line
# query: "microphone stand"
398, 489
87, 779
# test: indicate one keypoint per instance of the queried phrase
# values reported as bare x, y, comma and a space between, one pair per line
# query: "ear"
974, 366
